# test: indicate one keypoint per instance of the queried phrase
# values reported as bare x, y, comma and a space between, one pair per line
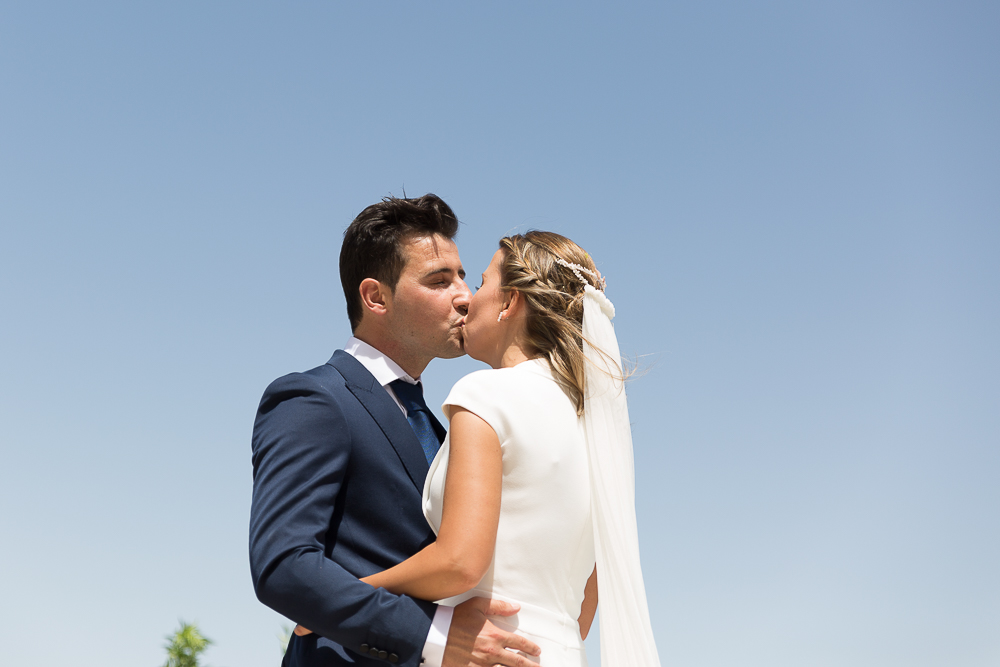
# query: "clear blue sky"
797, 206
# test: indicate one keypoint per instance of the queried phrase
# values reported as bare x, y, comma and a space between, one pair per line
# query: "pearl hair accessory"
578, 271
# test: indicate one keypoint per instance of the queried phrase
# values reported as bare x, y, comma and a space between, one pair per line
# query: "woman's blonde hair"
553, 298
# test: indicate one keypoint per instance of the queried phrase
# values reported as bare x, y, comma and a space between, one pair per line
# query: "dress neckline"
537, 365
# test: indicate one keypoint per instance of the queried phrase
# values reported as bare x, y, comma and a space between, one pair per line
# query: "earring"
500, 316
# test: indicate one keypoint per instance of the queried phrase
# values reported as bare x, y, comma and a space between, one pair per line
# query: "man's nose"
461, 301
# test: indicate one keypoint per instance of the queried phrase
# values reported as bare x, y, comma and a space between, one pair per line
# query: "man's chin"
453, 351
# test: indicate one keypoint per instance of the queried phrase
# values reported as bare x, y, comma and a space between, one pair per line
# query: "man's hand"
473, 640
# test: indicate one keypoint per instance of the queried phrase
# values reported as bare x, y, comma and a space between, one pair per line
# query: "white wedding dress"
545, 539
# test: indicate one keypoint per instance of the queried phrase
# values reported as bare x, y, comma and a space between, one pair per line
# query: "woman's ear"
515, 303
373, 296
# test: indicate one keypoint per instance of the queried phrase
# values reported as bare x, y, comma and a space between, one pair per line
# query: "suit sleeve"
301, 450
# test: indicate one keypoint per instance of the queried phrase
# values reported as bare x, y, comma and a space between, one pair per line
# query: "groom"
340, 453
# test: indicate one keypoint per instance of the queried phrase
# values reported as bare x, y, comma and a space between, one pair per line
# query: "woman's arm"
462, 553
589, 606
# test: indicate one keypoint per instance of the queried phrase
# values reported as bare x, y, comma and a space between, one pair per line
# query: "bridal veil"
626, 633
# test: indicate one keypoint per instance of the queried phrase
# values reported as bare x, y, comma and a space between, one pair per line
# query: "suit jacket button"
382, 654
373, 652
364, 648
393, 658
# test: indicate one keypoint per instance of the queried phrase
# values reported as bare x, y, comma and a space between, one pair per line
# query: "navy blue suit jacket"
338, 476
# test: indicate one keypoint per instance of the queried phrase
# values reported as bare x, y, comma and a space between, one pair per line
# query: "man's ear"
374, 296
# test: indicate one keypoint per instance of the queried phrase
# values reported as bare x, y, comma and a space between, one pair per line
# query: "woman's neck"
514, 355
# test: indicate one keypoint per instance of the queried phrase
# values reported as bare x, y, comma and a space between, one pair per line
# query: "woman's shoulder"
480, 385
525, 372
494, 391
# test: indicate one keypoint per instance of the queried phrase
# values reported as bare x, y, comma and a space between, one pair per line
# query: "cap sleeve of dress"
481, 393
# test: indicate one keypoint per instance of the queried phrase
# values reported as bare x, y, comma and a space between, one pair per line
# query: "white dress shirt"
385, 371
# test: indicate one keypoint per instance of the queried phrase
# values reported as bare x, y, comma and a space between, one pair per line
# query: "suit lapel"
385, 413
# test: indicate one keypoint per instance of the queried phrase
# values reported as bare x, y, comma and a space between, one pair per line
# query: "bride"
532, 493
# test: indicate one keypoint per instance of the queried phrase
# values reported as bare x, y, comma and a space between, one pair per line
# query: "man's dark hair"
373, 243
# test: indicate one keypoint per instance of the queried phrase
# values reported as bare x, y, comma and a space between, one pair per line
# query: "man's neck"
392, 349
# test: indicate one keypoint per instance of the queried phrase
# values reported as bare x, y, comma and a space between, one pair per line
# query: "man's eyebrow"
445, 269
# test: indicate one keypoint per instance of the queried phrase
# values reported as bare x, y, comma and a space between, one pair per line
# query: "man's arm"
301, 449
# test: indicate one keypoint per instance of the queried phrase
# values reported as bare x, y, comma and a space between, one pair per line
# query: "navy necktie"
428, 429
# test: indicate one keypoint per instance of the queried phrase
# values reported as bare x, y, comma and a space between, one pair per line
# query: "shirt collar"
382, 367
